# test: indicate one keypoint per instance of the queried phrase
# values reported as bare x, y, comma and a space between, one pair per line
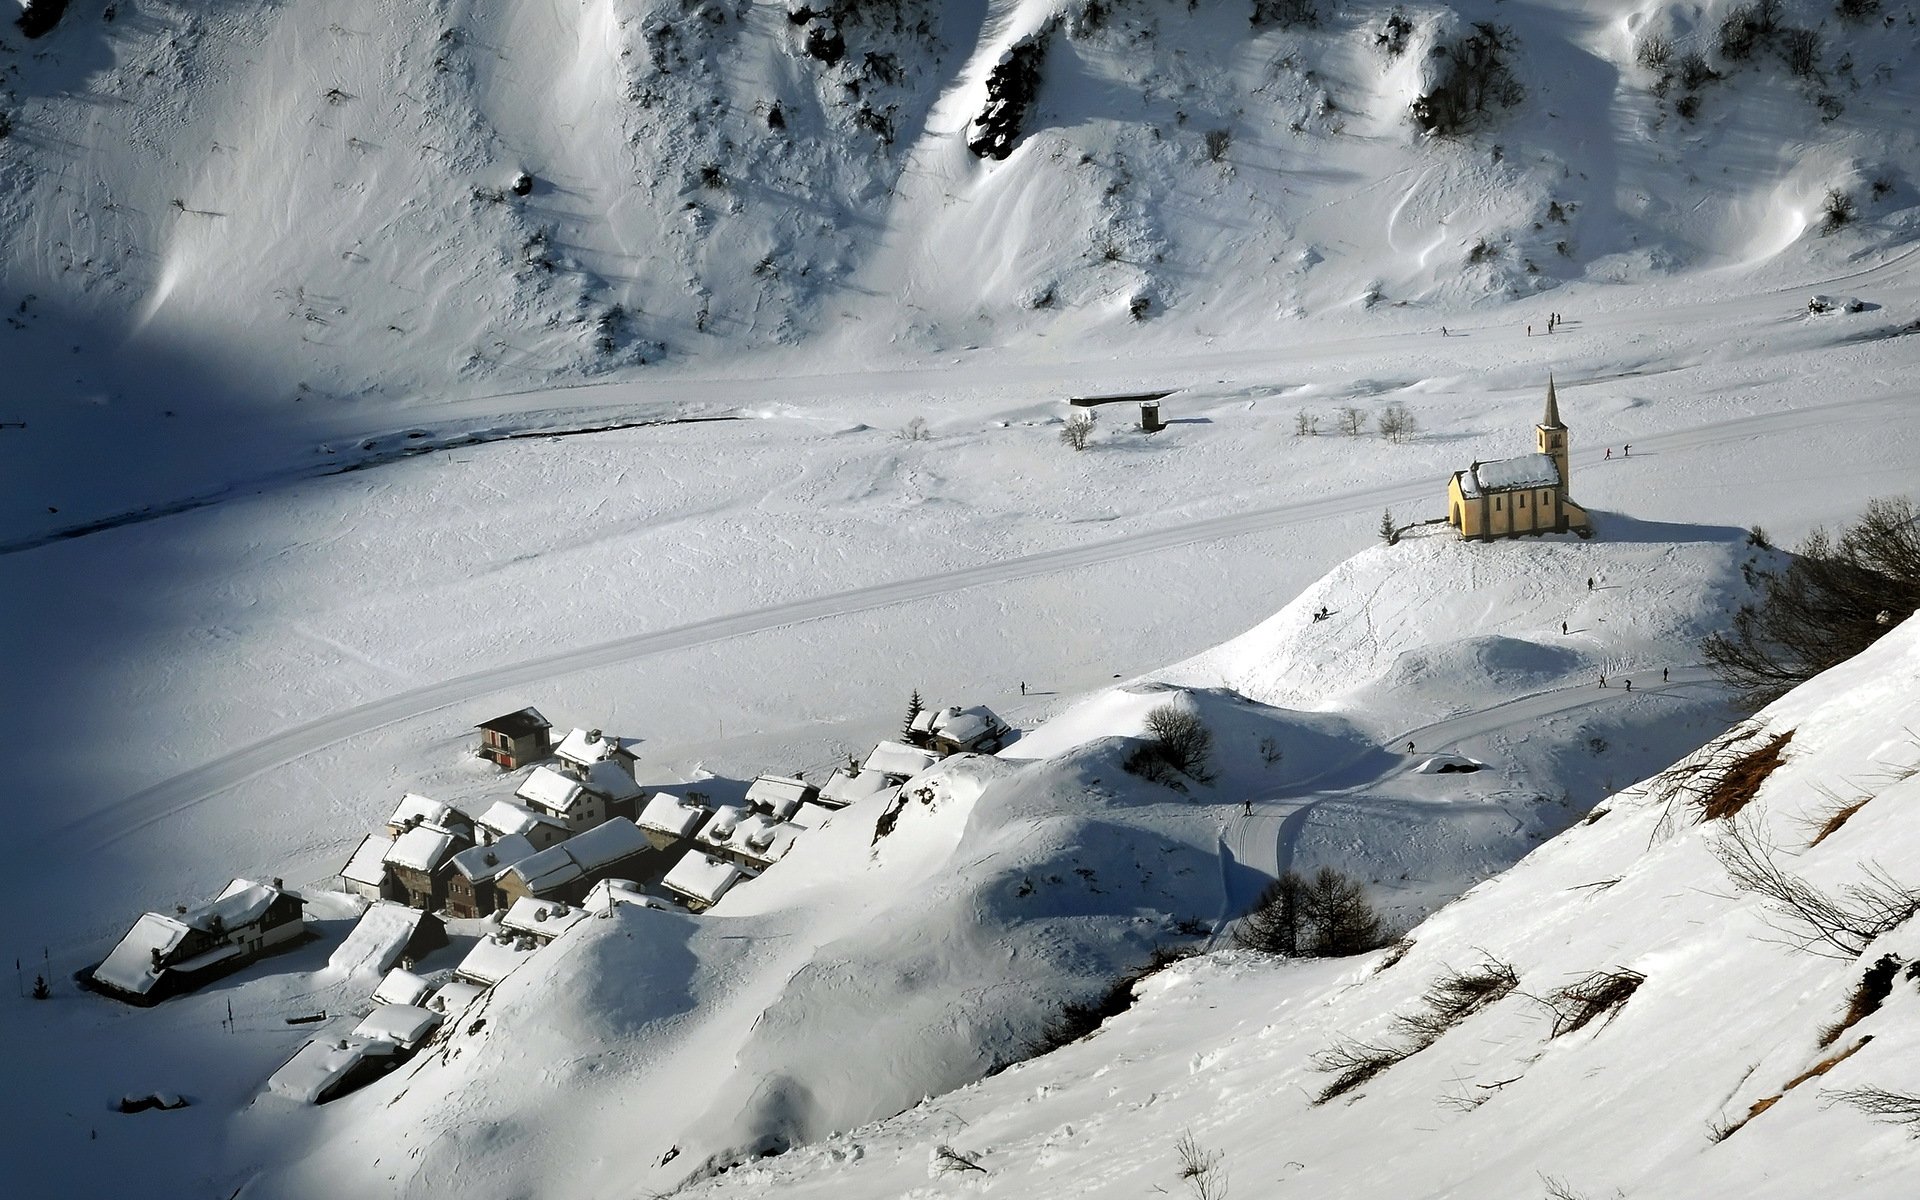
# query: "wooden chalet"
366, 871
701, 879
504, 819
670, 820
419, 862
600, 793
780, 795
565, 872
473, 887
166, 954
956, 730
516, 739
582, 748
755, 840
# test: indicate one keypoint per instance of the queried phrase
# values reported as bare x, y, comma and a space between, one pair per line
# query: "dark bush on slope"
1473, 77
1011, 88
1325, 917
40, 16
1839, 596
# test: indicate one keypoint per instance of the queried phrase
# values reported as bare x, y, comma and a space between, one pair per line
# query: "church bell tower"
1550, 437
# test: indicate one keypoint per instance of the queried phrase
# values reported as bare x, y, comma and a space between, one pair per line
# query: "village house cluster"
579, 835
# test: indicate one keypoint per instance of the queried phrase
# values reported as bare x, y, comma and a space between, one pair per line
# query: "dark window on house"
1523, 499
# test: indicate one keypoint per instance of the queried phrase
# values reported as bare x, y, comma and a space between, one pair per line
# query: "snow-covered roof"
613, 780
672, 814
517, 724
368, 864
402, 986
968, 726
899, 759
1510, 474
422, 848
405, 1025
504, 818
481, 864
700, 876
581, 854
542, 918
129, 967
584, 747
492, 957
843, 789
241, 902
605, 844
551, 790
543, 872
454, 995
421, 810
321, 1063
811, 815
377, 940
718, 831
609, 892
764, 837
781, 793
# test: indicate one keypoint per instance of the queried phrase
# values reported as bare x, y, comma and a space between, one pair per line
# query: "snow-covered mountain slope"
252, 216
1725, 1070
865, 972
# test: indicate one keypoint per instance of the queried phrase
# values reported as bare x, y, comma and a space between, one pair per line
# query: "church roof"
1510, 475
1552, 418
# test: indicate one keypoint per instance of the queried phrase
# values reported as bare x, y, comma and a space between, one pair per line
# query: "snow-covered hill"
262, 226
1721, 1055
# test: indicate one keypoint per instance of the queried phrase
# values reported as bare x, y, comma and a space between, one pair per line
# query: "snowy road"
1266, 840
183, 791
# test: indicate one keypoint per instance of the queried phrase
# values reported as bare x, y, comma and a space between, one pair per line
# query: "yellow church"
1516, 496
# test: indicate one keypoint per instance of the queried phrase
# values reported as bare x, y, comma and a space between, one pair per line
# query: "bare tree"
916, 430
1835, 599
1397, 423
1306, 424
1352, 419
1078, 430
1177, 741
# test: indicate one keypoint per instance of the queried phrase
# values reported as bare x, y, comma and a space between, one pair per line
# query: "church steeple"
1552, 418
1550, 436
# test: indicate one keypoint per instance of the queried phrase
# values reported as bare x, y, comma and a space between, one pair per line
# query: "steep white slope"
234, 210
870, 969
1734, 1010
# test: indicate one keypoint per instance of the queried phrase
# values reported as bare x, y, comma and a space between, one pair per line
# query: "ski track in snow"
182, 792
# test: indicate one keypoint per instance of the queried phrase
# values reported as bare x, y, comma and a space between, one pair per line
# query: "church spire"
1552, 418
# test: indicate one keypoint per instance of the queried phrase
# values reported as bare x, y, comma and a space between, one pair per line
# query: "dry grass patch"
1736, 785
1814, 1072
1875, 985
1452, 998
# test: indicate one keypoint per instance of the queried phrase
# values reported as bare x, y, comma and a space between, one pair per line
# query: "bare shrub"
1454, 997
1203, 1171
1841, 925
916, 430
1352, 420
1285, 13
1800, 50
1894, 1108
1601, 994
1078, 430
1839, 596
1857, 10
1654, 52
1473, 76
1693, 71
1218, 142
1354, 1063
1075, 1020
1397, 423
1836, 210
1875, 985
947, 1161
1392, 36
1177, 741
1306, 424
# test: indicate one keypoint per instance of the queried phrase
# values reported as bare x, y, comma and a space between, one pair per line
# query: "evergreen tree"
914, 708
